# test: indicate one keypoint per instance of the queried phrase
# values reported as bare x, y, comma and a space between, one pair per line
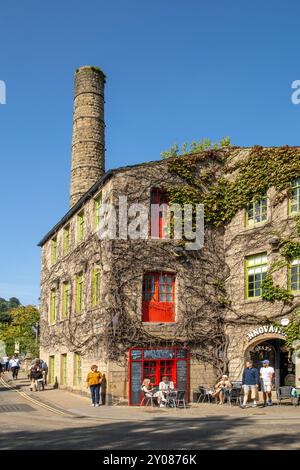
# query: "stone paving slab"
81, 406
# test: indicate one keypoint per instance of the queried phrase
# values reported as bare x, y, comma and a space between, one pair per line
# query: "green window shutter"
54, 250
80, 220
256, 271
66, 239
294, 201
96, 212
63, 378
96, 286
53, 306
66, 299
51, 369
77, 369
79, 285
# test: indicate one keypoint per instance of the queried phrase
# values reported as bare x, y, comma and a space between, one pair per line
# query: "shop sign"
262, 330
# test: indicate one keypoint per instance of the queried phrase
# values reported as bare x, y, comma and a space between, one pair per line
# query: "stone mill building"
146, 306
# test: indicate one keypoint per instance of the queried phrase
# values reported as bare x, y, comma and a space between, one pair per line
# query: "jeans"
95, 393
15, 371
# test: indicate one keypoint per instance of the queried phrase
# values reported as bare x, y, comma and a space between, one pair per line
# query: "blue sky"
177, 71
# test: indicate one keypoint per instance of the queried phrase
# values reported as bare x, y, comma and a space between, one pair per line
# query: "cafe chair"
171, 399
180, 399
146, 400
204, 394
284, 393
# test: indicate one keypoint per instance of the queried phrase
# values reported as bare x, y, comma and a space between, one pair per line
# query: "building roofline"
93, 189
86, 196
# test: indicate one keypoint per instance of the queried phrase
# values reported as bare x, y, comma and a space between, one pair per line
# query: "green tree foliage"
5, 308
22, 329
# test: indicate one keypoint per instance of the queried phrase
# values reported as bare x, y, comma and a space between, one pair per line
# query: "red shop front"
155, 364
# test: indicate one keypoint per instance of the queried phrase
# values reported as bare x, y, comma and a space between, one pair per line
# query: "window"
256, 270
294, 276
77, 369
53, 250
63, 378
96, 285
80, 221
79, 287
257, 211
53, 306
96, 211
158, 297
294, 203
51, 369
66, 239
160, 219
66, 299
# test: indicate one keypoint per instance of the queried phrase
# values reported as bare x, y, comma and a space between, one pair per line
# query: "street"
39, 424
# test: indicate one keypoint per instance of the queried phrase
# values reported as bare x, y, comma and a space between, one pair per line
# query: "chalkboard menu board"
181, 372
136, 383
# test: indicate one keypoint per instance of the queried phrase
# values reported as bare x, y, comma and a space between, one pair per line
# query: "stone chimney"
88, 146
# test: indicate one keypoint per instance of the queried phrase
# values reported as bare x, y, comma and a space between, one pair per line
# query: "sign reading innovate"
262, 330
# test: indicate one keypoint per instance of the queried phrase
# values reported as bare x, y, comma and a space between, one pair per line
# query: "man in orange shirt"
93, 382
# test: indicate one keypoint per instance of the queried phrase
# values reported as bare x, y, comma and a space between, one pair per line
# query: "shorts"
252, 388
266, 387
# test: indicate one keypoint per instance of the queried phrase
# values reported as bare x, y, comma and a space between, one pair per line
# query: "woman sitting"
221, 388
149, 391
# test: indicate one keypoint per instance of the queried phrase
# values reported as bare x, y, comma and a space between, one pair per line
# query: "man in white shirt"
165, 386
266, 376
14, 365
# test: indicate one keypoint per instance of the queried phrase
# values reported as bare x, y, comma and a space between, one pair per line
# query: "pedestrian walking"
250, 383
14, 366
93, 382
36, 377
6, 362
266, 377
2, 365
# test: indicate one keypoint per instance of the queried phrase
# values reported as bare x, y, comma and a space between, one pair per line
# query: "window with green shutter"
51, 369
66, 239
294, 275
53, 250
256, 270
66, 299
79, 292
257, 211
80, 221
53, 306
77, 369
63, 378
97, 205
294, 202
96, 286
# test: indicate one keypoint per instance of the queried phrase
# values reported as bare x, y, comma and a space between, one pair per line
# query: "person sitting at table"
149, 391
165, 386
220, 389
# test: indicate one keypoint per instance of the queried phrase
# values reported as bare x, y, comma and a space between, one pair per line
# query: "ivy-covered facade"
149, 307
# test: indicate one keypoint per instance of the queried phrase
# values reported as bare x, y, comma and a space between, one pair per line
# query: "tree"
22, 329
5, 307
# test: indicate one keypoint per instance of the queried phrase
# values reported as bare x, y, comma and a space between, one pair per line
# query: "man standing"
14, 365
250, 383
266, 376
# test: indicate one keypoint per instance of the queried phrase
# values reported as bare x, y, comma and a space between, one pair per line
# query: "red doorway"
156, 364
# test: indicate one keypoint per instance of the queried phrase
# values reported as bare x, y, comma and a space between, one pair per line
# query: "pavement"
58, 419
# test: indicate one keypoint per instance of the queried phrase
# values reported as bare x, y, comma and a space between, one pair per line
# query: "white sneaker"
162, 406
93, 404
97, 404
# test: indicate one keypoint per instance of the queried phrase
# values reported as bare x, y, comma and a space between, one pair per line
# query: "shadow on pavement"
216, 433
